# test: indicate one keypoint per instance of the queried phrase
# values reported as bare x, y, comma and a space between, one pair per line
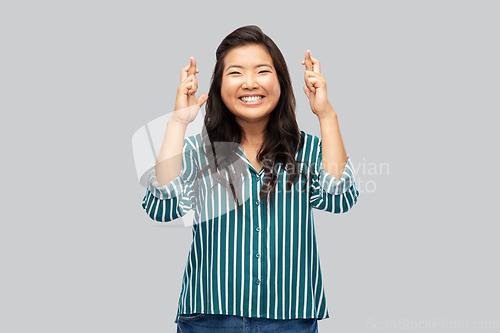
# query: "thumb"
202, 99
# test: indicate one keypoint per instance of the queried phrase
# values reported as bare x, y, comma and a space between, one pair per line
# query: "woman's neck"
253, 133
253, 137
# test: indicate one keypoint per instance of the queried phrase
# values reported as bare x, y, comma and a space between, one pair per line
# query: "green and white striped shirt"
264, 263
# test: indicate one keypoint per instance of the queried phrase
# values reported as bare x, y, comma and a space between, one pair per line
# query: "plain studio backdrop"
415, 85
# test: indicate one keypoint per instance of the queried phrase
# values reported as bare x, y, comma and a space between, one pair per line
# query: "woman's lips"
252, 103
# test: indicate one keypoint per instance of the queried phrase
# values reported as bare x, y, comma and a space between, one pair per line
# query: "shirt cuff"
167, 191
336, 186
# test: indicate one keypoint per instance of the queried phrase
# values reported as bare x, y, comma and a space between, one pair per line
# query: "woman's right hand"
186, 104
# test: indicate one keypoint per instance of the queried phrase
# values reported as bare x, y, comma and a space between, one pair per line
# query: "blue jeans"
214, 323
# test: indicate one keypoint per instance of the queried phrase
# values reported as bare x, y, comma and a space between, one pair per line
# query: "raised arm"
334, 152
169, 162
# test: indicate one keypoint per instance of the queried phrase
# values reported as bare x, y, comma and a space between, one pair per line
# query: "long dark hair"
282, 138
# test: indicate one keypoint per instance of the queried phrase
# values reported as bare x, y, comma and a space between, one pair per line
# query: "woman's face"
249, 71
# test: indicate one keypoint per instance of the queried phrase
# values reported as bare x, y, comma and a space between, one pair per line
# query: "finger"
194, 86
314, 77
189, 86
316, 82
307, 92
202, 99
308, 82
184, 72
188, 70
189, 78
308, 61
309, 65
316, 64
192, 67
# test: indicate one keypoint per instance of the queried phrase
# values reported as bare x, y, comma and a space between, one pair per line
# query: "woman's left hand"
315, 87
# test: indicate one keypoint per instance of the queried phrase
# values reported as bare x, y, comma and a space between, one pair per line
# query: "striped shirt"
264, 262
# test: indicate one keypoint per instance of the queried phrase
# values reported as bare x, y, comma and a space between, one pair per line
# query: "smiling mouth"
251, 100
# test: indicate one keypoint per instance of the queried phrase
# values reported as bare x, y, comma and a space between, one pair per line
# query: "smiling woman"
250, 90
250, 87
254, 261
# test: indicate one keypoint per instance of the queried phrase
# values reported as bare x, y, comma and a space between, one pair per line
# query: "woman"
252, 179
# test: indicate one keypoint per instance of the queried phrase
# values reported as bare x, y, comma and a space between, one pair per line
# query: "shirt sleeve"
174, 199
329, 193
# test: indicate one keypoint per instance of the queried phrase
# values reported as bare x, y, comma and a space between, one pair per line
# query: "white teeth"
251, 99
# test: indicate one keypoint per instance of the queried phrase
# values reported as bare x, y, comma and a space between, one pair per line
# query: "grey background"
415, 85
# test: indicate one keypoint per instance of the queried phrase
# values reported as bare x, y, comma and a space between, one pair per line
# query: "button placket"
257, 178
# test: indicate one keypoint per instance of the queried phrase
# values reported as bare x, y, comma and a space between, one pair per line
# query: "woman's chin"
252, 118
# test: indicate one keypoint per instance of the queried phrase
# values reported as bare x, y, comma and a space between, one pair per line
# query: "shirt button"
257, 255
257, 202
258, 228
258, 281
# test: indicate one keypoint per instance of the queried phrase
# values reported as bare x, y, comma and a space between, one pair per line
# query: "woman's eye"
234, 73
264, 72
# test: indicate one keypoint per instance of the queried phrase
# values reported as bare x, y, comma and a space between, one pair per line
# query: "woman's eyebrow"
261, 65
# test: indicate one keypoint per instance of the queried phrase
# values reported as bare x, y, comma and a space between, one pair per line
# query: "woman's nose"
250, 82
